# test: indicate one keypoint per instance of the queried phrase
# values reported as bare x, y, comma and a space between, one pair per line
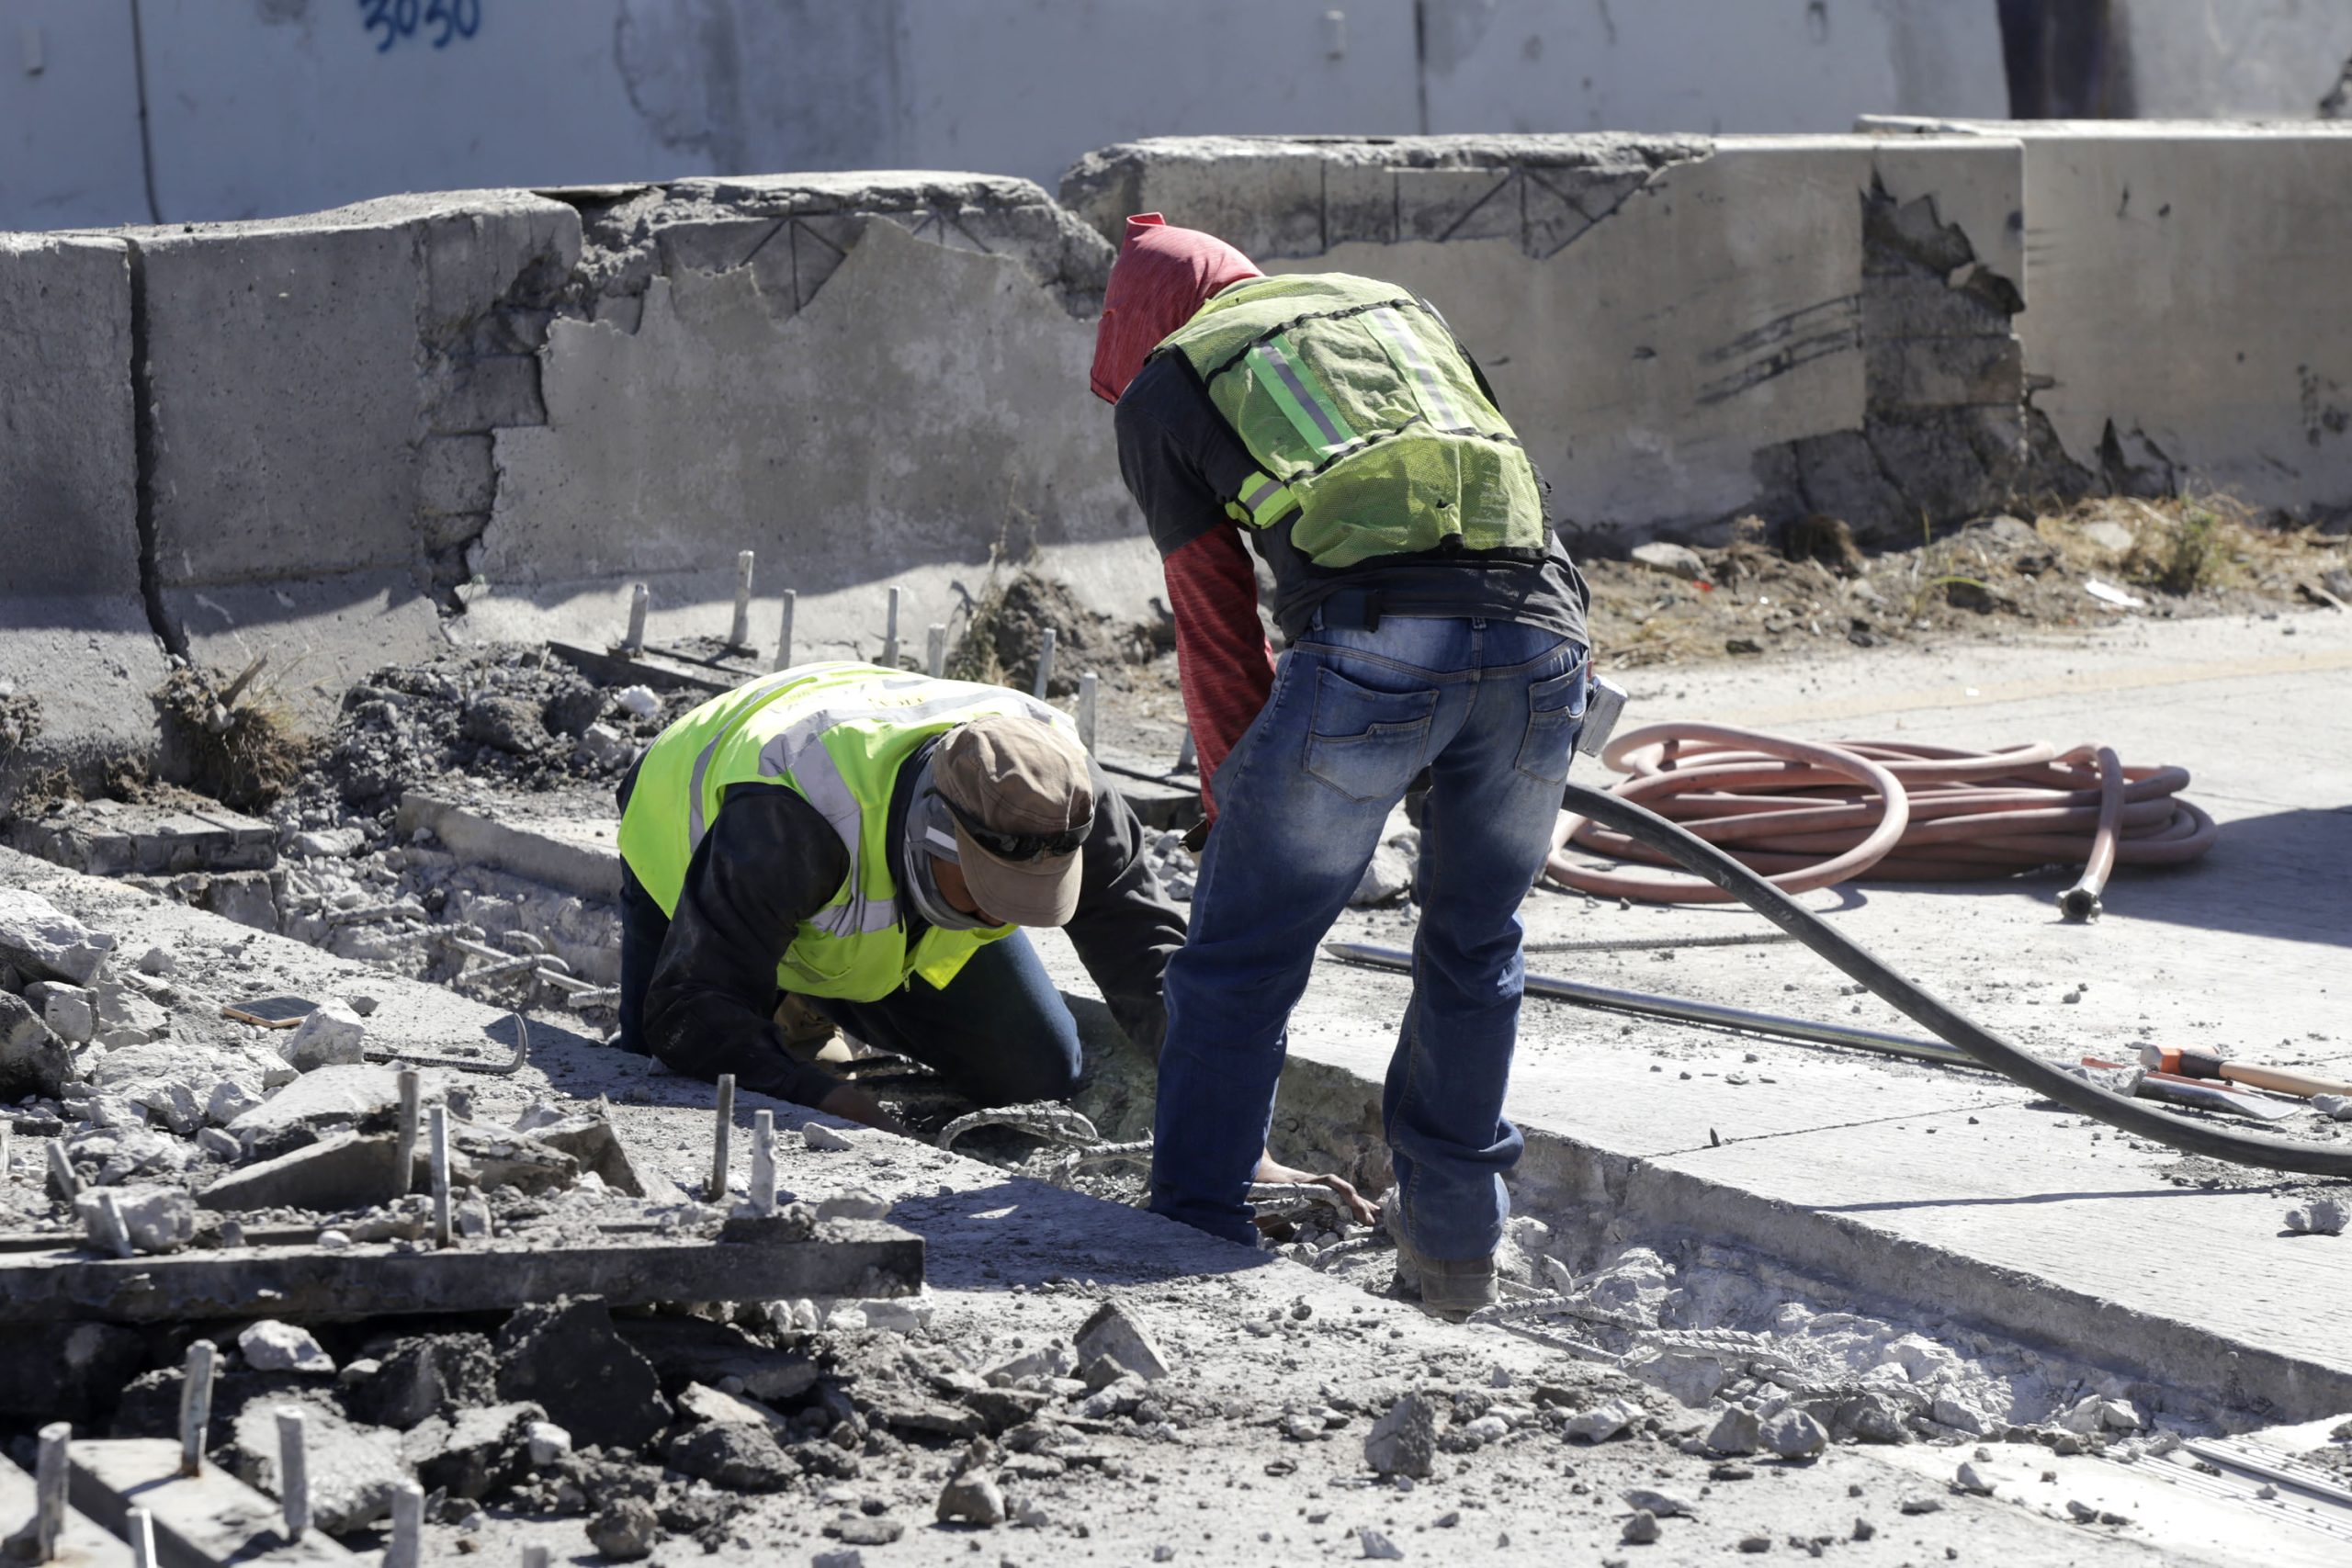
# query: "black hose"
1703, 859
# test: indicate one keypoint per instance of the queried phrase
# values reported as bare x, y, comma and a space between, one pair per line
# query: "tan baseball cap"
1022, 803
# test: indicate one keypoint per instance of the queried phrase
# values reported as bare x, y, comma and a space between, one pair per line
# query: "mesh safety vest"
1371, 433
835, 734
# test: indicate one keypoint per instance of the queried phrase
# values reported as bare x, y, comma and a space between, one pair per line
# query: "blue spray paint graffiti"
413, 18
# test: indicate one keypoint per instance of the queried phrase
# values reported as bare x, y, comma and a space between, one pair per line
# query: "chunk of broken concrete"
270, 1346
33, 1060
566, 1357
704, 1402
592, 1141
625, 1529
359, 1095
488, 1157
154, 1218
547, 1443
71, 1013
40, 940
229, 1101
737, 1456
355, 1472
1736, 1431
1675, 560
1404, 1441
472, 1452
2321, 1216
817, 1136
694, 1349
330, 1035
1602, 1422
350, 1170
427, 1375
972, 1499
1794, 1435
858, 1203
1116, 1332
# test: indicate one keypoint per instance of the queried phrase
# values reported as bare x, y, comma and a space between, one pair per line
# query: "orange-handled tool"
2204, 1065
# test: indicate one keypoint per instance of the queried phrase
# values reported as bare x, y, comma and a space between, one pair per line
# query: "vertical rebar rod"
294, 1469
50, 1476
890, 633
440, 1155
640, 596
1087, 685
726, 1126
934, 651
740, 634
117, 1233
405, 1148
406, 1548
8, 1155
1045, 664
764, 1162
61, 1172
784, 631
195, 1405
140, 1525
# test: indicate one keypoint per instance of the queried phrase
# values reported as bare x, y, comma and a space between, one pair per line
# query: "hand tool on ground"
2205, 1065
2204, 1093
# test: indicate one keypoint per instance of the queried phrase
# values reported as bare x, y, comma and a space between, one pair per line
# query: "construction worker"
1435, 625
871, 841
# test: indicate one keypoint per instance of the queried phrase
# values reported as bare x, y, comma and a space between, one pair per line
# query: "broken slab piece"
1116, 1332
350, 1170
370, 1280
43, 941
211, 1516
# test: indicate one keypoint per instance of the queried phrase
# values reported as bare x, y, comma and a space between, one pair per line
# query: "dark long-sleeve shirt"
770, 860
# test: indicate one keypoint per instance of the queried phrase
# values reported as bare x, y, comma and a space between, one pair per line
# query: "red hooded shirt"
1161, 277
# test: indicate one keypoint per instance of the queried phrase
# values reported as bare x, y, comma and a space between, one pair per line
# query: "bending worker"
872, 842
1435, 624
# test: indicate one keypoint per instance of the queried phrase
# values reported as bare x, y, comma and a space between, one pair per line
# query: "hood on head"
1163, 275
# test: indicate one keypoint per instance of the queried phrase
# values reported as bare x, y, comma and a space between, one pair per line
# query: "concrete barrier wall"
2182, 329
1683, 331
280, 106
2234, 59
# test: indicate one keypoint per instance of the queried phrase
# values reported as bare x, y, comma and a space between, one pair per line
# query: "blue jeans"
1492, 709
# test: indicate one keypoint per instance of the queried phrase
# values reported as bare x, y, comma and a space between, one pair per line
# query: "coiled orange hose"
1809, 815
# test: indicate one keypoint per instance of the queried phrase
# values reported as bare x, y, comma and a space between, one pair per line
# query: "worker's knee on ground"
1043, 1066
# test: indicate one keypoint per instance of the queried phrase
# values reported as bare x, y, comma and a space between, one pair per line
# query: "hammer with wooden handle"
2203, 1064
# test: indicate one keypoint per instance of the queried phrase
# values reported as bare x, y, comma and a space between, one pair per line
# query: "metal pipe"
195, 1405
725, 1125
404, 1148
934, 651
740, 634
890, 633
294, 1469
440, 1153
1683, 1010
1045, 664
784, 630
764, 1162
639, 597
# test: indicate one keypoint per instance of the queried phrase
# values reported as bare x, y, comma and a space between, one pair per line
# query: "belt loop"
1372, 610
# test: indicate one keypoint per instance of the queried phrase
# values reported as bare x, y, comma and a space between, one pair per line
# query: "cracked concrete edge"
1338, 1111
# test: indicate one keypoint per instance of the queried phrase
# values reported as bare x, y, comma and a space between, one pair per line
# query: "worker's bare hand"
851, 1104
1362, 1210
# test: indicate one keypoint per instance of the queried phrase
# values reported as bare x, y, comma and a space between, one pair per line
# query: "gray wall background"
265, 107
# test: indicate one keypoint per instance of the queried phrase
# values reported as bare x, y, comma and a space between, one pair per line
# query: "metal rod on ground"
140, 1525
117, 1233
639, 598
407, 1547
404, 1151
1086, 688
61, 1172
293, 1470
784, 631
1045, 664
51, 1477
440, 1176
195, 1405
764, 1162
1682, 1010
726, 1126
890, 633
1187, 756
740, 634
934, 651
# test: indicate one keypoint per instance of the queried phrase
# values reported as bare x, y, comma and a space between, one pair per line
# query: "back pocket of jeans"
1555, 712
1367, 744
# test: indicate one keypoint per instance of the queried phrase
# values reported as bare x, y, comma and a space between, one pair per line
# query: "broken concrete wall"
76, 650
1682, 331
865, 379
2184, 329
320, 391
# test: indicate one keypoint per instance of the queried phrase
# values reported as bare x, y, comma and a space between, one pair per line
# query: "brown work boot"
1450, 1288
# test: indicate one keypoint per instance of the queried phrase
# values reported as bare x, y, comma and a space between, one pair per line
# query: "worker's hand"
851, 1104
1362, 1210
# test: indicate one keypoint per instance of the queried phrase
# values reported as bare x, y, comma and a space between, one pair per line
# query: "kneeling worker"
871, 840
